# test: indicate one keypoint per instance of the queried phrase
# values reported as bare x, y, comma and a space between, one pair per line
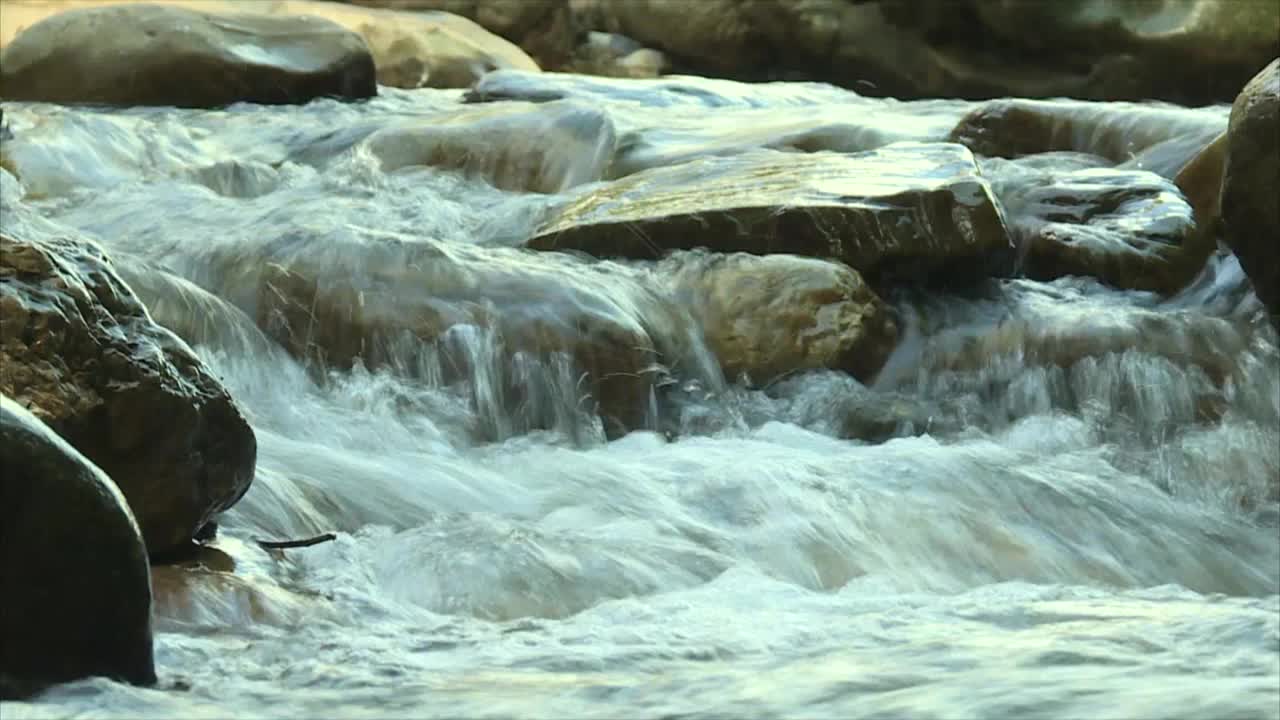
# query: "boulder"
1251, 185
420, 49
77, 588
79, 350
522, 147
910, 211
767, 317
1129, 228
162, 55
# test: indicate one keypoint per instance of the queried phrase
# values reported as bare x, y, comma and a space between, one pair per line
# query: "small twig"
283, 544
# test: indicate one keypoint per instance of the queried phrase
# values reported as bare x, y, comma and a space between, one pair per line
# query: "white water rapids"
1092, 538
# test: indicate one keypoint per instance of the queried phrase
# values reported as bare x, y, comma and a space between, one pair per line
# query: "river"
1096, 537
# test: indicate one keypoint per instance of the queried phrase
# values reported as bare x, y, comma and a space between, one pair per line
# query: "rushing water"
1057, 500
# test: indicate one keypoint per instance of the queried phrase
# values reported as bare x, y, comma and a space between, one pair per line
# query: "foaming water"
1057, 499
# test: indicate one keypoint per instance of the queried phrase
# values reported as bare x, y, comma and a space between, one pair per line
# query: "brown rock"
1251, 185
909, 210
770, 316
79, 350
77, 591
162, 55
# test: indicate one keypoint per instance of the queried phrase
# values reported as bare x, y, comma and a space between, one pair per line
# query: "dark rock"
911, 211
1251, 185
79, 350
77, 588
111, 55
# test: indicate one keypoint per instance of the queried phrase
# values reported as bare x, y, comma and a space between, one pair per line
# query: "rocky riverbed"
885, 384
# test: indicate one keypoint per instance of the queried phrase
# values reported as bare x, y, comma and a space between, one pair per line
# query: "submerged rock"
1119, 132
79, 350
415, 322
522, 147
769, 316
908, 211
110, 55
77, 589
1128, 228
1251, 185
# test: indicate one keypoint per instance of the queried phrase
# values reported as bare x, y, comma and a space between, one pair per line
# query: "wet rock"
72, 563
545, 29
109, 55
1128, 228
408, 322
766, 317
79, 350
911, 211
613, 55
420, 49
1118, 132
1251, 185
520, 147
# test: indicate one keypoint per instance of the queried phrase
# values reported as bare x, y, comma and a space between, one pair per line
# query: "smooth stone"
110, 55
767, 317
908, 211
77, 588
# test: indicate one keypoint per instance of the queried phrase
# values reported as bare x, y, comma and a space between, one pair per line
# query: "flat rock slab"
161, 55
912, 211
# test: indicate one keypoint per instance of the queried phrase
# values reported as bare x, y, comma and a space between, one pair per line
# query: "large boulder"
77, 589
523, 147
161, 55
910, 211
79, 350
1251, 185
766, 317
419, 49
546, 29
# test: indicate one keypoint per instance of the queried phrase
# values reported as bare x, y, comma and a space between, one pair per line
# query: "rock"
77, 586
79, 350
420, 322
544, 28
912, 211
109, 55
420, 49
770, 316
1251, 185
1116, 131
1128, 228
613, 55
521, 147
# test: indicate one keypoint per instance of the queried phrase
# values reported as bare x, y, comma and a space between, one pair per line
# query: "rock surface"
910, 211
1129, 228
1251, 185
111, 55
546, 148
419, 49
418, 321
79, 350
77, 589
770, 316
